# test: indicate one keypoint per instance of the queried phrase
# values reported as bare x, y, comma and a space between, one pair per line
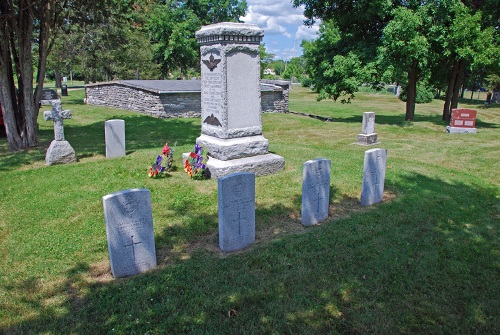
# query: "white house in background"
269, 71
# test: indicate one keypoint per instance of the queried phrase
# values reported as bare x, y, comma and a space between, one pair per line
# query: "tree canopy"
410, 42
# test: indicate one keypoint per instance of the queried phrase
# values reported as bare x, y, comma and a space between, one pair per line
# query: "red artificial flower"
166, 149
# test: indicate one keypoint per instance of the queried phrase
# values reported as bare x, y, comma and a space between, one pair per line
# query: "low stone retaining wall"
173, 98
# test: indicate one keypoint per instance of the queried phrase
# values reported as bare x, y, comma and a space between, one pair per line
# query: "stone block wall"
274, 98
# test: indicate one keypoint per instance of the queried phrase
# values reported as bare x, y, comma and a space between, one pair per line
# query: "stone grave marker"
372, 190
463, 121
48, 95
59, 151
231, 130
114, 133
236, 211
368, 135
315, 191
129, 231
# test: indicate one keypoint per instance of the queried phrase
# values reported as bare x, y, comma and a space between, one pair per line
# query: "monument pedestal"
367, 139
232, 148
260, 165
60, 152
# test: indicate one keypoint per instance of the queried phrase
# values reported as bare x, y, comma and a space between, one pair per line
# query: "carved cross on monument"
239, 219
132, 244
57, 115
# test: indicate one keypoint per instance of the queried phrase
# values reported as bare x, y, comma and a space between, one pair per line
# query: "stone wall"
274, 98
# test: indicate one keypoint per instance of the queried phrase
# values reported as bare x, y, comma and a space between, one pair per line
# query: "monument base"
60, 152
260, 165
460, 130
367, 139
233, 148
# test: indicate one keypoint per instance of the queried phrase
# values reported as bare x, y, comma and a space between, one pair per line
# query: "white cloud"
283, 26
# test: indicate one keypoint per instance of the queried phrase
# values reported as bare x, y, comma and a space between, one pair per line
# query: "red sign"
463, 118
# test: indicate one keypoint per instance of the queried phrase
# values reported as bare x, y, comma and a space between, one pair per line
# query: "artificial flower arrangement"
194, 164
163, 162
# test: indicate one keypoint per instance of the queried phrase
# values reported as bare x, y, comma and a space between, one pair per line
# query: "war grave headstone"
59, 151
463, 121
236, 200
129, 231
231, 115
48, 95
372, 190
315, 191
114, 134
368, 135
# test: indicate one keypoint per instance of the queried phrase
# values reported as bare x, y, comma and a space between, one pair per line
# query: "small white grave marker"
114, 133
315, 191
129, 230
372, 190
236, 211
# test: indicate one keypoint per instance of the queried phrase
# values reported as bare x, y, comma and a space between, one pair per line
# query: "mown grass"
426, 260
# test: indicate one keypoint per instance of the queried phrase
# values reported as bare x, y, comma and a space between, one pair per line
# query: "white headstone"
315, 191
372, 190
129, 230
236, 211
114, 131
231, 130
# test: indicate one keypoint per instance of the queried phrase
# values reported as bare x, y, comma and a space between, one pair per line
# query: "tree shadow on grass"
425, 262
141, 132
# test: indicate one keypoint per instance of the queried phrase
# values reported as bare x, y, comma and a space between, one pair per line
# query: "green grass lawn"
425, 261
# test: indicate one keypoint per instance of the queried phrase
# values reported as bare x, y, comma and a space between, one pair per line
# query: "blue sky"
283, 26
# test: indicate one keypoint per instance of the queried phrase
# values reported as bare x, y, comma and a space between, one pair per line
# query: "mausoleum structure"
231, 112
174, 98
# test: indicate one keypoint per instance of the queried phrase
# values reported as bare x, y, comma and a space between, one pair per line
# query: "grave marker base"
459, 130
60, 152
367, 139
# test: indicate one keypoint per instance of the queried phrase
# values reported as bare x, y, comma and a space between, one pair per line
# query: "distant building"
270, 72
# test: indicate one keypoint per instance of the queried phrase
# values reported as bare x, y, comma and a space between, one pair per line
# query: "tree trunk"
449, 92
458, 83
57, 76
412, 91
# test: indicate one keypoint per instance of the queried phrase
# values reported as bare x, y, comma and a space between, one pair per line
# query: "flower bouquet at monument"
163, 163
194, 165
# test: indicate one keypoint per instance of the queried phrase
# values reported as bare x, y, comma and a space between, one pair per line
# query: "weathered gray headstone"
236, 211
114, 133
129, 230
59, 151
315, 191
368, 135
48, 96
372, 190
231, 115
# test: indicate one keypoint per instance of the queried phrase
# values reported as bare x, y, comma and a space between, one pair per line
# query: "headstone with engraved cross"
236, 211
129, 230
315, 191
59, 151
372, 190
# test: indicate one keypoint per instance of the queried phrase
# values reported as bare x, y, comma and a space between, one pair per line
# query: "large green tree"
456, 35
172, 26
27, 32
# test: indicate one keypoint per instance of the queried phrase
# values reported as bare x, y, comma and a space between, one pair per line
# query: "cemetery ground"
425, 261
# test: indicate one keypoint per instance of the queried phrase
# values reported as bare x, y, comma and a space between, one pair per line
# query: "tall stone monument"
231, 130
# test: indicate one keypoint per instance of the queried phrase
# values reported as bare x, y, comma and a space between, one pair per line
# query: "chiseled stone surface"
459, 130
60, 152
129, 230
260, 165
236, 200
226, 149
315, 191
